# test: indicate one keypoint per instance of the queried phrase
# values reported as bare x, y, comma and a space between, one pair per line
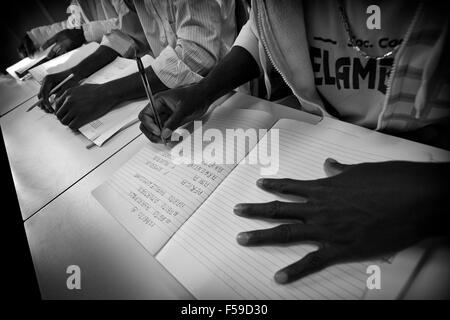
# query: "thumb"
333, 167
173, 122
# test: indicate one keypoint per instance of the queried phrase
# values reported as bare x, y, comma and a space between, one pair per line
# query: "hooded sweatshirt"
409, 89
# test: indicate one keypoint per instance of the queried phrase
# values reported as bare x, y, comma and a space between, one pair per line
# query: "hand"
82, 104
65, 41
26, 47
51, 81
175, 107
362, 211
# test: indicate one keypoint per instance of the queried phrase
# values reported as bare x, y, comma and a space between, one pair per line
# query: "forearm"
131, 87
237, 68
100, 58
433, 206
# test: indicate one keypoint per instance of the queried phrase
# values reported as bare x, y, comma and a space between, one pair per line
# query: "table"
54, 175
46, 158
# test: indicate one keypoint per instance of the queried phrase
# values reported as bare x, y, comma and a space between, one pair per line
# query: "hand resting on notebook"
354, 214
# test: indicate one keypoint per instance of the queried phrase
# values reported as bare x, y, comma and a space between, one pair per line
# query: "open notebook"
183, 214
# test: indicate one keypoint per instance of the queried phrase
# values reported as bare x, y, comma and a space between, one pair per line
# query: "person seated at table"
89, 21
397, 86
186, 37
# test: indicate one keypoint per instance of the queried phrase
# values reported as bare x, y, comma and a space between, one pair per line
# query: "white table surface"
14, 92
46, 157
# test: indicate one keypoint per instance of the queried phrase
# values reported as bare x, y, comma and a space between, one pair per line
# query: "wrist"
206, 92
110, 92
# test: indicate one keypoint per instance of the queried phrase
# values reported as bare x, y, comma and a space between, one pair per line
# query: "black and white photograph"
209, 151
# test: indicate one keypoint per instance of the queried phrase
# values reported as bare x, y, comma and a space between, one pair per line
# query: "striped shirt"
186, 37
95, 17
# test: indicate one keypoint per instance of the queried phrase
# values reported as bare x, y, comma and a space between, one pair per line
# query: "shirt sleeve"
128, 38
41, 34
248, 40
198, 27
95, 30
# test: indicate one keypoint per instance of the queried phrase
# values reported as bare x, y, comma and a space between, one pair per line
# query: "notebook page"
152, 197
205, 257
103, 128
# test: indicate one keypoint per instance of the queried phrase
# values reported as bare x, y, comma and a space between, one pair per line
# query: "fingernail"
242, 238
331, 160
166, 133
260, 182
239, 208
281, 277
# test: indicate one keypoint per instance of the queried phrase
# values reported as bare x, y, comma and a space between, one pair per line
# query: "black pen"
148, 91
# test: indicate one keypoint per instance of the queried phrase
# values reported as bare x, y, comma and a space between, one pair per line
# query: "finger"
276, 210
174, 121
76, 123
147, 111
67, 119
287, 186
64, 109
333, 167
284, 233
153, 138
311, 263
149, 123
59, 100
49, 42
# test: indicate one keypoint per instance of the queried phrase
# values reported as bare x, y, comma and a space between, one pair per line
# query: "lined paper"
205, 257
152, 197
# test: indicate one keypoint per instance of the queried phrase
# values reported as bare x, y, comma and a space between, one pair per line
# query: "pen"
148, 91
52, 91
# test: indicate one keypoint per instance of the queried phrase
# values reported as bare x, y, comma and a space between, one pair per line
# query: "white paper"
205, 257
27, 63
121, 117
151, 197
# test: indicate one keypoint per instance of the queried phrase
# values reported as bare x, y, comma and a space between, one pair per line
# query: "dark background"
19, 16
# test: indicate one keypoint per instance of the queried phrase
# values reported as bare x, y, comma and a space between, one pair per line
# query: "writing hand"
175, 107
360, 211
51, 81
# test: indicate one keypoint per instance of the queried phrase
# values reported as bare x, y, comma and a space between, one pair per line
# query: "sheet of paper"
27, 63
63, 62
119, 68
152, 197
205, 257
121, 117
